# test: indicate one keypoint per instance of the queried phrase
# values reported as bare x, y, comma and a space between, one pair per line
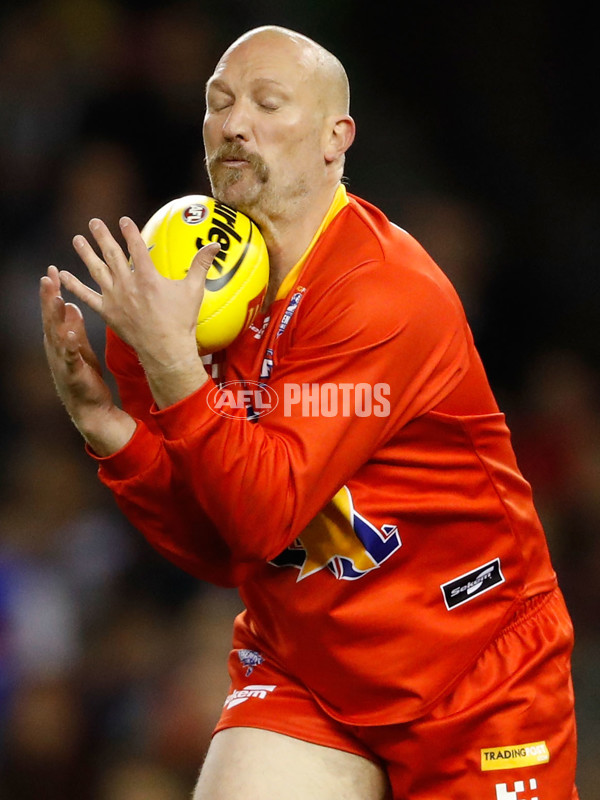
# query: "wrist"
105, 429
170, 383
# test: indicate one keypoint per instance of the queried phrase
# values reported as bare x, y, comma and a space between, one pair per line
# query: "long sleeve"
149, 493
270, 479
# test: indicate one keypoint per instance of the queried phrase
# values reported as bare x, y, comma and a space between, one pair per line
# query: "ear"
339, 136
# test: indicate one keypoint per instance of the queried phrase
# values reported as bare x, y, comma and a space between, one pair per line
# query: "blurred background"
476, 132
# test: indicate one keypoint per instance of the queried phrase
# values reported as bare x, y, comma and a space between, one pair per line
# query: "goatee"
223, 177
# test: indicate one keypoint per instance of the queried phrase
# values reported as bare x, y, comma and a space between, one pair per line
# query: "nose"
237, 124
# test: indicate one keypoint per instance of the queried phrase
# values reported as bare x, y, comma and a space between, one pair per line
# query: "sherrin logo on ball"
237, 280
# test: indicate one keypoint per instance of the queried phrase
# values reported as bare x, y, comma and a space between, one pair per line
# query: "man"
404, 633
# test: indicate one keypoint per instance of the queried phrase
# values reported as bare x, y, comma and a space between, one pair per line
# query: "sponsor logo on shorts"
513, 756
255, 690
464, 588
250, 659
519, 790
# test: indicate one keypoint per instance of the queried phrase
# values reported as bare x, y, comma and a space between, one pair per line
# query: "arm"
133, 461
147, 490
269, 480
141, 480
282, 471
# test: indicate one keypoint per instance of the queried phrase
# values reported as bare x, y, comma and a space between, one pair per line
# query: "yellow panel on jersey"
331, 534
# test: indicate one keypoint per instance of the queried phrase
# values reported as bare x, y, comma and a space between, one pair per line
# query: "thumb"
202, 262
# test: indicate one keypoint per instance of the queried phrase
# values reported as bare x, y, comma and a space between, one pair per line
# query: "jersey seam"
515, 535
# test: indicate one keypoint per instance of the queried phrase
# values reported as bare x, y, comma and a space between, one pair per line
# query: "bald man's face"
264, 125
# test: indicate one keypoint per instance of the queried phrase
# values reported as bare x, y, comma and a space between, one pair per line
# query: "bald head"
328, 76
277, 124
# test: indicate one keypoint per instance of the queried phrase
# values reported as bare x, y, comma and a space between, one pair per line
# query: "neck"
287, 237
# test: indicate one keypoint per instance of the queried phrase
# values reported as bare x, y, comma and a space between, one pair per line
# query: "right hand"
77, 372
155, 315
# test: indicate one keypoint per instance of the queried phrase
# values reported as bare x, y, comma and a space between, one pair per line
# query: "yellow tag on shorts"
513, 756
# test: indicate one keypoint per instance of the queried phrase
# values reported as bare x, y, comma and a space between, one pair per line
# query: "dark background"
478, 132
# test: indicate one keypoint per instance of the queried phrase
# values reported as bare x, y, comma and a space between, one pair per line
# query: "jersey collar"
340, 199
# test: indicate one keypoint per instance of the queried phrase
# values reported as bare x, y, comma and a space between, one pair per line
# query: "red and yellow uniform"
375, 520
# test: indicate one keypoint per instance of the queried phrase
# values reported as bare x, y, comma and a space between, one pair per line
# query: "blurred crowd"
112, 662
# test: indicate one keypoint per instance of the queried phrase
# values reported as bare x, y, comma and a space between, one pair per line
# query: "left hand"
155, 315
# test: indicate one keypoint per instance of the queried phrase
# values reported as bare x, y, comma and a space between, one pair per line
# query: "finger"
52, 303
202, 262
74, 320
138, 249
112, 252
72, 356
80, 290
50, 284
48, 293
99, 271
52, 274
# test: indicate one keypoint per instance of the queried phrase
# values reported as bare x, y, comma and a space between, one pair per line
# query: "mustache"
234, 151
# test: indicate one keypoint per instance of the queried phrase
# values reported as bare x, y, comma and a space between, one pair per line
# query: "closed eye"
218, 96
219, 105
269, 106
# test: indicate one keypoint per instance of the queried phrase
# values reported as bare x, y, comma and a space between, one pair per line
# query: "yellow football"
237, 280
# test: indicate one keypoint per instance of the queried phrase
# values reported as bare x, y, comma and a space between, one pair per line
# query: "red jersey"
375, 520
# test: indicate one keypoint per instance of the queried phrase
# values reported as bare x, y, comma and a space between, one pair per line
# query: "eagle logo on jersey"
341, 540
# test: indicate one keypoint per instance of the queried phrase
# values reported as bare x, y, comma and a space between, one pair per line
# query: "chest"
254, 355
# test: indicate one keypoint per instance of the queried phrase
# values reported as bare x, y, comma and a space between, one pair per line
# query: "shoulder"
363, 230
370, 271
